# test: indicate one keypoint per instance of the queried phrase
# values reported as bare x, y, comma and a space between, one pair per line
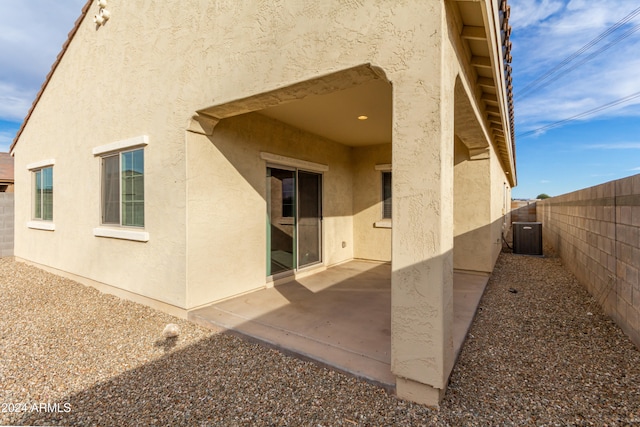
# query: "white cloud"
32, 35
6, 139
614, 146
527, 12
542, 40
14, 103
635, 169
545, 181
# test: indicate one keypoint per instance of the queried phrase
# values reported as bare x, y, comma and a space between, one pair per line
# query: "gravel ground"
542, 355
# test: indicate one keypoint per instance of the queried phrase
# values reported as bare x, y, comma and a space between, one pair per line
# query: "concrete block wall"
596, 232
6, 224
523, 211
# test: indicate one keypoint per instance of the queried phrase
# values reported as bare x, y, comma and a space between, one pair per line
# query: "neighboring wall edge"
6, 224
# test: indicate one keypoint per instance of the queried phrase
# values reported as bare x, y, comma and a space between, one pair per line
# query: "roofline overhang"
505, 101
498, 107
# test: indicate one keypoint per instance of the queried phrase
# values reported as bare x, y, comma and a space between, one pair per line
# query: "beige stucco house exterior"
184, 152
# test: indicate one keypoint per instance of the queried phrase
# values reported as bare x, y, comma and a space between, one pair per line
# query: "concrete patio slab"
340, 317
468, 288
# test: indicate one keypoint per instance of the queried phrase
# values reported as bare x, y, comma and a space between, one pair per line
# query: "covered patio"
339, 317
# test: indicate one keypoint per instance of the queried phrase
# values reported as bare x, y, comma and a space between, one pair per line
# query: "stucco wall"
152, 66
101, 93
596, 233
227, 235
116, 82
472, 211
227, 204
481, 197
370, 241
500, 206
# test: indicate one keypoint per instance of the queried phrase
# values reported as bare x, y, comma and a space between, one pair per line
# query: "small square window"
43, 194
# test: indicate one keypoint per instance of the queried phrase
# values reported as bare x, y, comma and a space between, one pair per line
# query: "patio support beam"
202, 124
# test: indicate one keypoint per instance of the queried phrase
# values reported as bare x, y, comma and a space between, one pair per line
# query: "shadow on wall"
478, 249
595, 231
240, 140
352, 186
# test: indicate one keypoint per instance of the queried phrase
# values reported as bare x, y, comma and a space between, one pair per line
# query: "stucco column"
422, 235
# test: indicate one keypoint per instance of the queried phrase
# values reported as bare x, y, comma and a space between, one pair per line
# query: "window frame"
386, 199
385, 221
41, 220
42, 207
120, 202
119, 230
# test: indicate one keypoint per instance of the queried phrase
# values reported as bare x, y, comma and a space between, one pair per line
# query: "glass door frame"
294, 248
296, 266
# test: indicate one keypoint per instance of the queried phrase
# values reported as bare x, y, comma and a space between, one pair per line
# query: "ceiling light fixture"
362, 117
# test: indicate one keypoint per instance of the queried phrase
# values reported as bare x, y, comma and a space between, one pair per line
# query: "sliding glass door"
309, 217
294, 219
281, 219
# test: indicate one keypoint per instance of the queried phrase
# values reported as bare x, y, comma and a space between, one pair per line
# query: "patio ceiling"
335, 115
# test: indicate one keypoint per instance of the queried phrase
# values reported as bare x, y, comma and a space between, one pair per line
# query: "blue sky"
32, 33
597, 148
